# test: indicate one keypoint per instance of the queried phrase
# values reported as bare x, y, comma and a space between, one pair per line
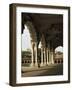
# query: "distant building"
58, 57
26, 58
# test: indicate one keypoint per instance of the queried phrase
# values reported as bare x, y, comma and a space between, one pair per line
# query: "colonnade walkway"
53, 69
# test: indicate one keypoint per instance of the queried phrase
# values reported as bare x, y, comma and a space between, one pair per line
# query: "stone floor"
53, 69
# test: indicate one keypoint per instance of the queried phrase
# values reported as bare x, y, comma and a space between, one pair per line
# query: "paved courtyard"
56, 69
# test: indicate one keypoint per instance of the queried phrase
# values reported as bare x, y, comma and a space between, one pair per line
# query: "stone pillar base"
49, 63
32, 65
41, 64
45, 63
52, 62
36, 64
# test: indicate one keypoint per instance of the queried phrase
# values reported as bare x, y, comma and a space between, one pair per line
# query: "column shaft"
44, 56
52, 58
47, 56
32, 64
41, 56
36, 59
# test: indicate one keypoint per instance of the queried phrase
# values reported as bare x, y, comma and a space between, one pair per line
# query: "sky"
60, 48
26, 41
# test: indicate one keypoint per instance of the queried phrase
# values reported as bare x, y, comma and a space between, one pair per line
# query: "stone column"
41, 56
44, 56
47, 56
52, 59
32, 64
52, 55
36, 59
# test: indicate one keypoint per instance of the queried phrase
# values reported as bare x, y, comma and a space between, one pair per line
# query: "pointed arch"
43, 43
32, 31
59, 49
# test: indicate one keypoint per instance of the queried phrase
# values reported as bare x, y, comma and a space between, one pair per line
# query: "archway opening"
39, 46
59, 49
26, 40
26, 47
58, 56
39, 51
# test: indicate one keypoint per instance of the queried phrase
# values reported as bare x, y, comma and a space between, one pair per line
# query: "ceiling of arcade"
48, 24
